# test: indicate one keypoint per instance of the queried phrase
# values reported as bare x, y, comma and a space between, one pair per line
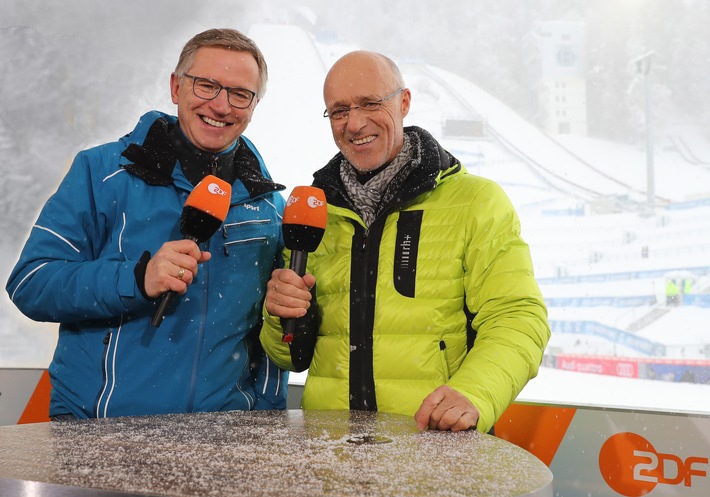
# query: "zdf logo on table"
631, 466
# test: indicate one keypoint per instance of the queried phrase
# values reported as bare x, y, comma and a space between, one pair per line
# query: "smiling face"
213, 125
368, 140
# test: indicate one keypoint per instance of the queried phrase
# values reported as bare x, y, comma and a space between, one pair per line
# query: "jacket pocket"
445, 360
245, 233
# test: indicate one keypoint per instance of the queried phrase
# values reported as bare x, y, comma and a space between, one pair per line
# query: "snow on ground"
558, 387
685, 325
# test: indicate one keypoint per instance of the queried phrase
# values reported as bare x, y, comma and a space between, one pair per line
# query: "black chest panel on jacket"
363, 284
406, 249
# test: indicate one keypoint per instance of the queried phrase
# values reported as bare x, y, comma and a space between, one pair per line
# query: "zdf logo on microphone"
312, 201
215, 189
632, 467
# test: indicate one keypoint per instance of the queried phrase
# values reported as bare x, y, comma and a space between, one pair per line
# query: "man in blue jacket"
107, 245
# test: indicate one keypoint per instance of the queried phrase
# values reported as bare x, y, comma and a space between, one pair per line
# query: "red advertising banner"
611, 366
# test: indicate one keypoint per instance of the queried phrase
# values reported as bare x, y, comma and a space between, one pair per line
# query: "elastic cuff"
139, 272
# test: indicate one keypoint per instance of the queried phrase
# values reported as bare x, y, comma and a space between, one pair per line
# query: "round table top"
263, 453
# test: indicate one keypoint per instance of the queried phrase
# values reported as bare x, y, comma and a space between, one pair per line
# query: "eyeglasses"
207, 89
368, 106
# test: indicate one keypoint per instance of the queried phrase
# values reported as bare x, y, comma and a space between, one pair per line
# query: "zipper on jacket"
251, 222
104, 374
200, 335
257, 239
445, 358
364, 261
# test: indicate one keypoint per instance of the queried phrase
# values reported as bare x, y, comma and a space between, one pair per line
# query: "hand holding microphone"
173, 267
203, 213
303, 225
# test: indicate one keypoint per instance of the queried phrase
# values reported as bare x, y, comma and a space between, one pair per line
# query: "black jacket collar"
155, 160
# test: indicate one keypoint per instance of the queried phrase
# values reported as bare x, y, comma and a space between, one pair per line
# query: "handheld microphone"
303, 226
203, 213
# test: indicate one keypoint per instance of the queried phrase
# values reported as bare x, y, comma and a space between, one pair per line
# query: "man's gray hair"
230, 39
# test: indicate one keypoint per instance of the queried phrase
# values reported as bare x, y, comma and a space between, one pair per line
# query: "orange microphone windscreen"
211, 195
304, 218
205, 208
306, 206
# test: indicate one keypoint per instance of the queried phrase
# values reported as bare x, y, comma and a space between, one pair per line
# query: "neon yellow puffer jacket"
400, 304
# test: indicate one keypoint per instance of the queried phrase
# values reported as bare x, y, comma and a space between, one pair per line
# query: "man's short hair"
227, 38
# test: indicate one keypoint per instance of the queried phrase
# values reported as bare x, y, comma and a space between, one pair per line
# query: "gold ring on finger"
181, 273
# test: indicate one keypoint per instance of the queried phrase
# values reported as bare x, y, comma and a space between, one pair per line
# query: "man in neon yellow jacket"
425, 302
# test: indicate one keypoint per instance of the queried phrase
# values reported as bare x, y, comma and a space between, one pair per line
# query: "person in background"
672, 293
107, 245
420, 298
686, 289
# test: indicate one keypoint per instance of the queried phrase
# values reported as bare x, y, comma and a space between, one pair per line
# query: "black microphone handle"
298, 264
298, 261
159, 314
166, 298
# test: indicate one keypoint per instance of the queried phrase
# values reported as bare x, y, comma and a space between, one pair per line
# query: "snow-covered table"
262, 453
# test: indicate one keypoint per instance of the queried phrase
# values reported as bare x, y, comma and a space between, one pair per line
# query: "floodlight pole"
643, 66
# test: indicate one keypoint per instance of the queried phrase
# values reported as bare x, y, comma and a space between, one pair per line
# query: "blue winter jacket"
77, 268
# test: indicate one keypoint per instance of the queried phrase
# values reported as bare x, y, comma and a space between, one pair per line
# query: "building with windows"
557, 63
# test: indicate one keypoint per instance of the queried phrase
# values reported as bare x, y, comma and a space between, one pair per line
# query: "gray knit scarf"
367, 197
